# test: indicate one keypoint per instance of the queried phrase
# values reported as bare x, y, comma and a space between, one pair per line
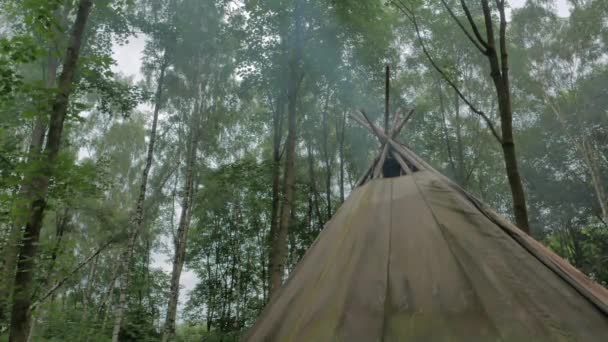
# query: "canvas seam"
446, 239
388, 260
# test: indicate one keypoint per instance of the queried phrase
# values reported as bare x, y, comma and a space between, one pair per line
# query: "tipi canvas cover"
415, 258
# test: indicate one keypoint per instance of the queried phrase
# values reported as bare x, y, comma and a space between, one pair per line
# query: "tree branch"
473, 24
76, 269
411, 15
503, 38
487, 14
477, 44
404, 9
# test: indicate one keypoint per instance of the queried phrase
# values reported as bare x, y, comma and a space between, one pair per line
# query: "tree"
180, 242
51, 11
560, 73
205, 178
204, 68
137, 221
279, 251
497, 57
20, 315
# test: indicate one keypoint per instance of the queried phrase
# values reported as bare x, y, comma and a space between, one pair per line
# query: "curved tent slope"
416, 258
410, 259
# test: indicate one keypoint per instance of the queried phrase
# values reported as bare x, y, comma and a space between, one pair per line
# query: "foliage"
227, 63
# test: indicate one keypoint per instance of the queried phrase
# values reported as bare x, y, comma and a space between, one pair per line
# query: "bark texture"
279, 251
11, 248
315, 197
341, 152
592, 160
21, 315
327, 157
181, 238
499, 70
279, 248
277, 120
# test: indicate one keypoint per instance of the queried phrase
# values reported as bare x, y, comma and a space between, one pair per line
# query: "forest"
171, 205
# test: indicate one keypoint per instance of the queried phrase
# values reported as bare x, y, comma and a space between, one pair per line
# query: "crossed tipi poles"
395, 159
392, 153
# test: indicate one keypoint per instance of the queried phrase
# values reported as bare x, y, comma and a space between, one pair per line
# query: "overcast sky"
128, 57
128, 62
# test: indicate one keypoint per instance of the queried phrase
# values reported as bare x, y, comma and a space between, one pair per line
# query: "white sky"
128, 62
562, 7
128, 57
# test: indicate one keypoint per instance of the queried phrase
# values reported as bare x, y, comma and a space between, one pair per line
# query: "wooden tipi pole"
386, 98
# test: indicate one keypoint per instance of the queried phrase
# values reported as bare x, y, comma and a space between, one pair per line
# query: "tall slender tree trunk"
327, 157
279, 248
328, 188
341, 148
499, 70
315, 197
137, 219
462, 172
11, 248
105, 304
84, 334
277, 120
181, 239
20, 315
40, 126
508, 147
591, 158
62, 223
263, 256
446, 135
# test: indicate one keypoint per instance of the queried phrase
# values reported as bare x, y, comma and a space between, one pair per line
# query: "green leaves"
14, 53
39, 16
584, 247
232, 60
19, 49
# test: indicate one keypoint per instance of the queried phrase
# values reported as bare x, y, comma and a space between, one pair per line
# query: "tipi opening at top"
411, 256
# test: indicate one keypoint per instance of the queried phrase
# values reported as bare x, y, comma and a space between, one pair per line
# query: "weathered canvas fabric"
414, 258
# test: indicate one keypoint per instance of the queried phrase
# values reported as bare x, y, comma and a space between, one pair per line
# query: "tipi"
410, 256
